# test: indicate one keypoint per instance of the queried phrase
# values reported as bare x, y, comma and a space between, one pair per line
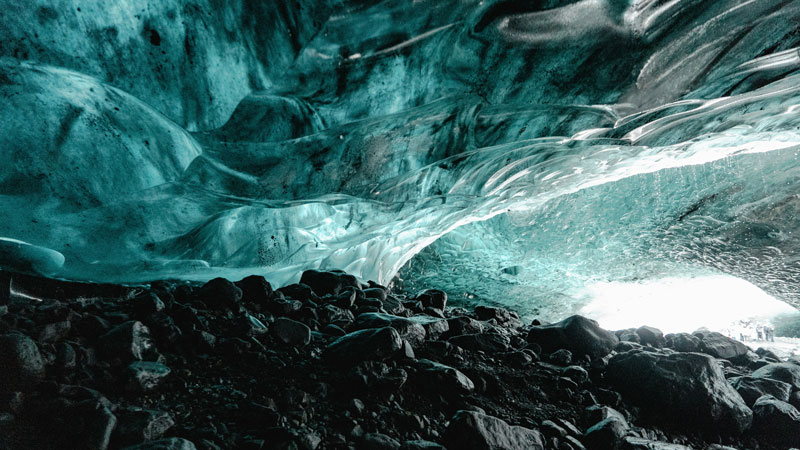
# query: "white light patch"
680, 304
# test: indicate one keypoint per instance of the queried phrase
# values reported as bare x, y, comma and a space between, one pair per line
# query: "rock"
54, 332
330, 314
165, 444
378, 441
607, 434
776, 421
501, 316
220, 293
576, 373
127, 342
420, 445
250, 325
577, 334
634, 443
561, 357
650, 336
364, 345
147, 303
720, 346
433, 298
434, 327
329, 283
145, 376
22, 364
291, 332
470, 430
409, 330
597, 413
255, 289
687, 386
135, 425
444, 378
751, 389
486, 342
464, 325
683, 342
786, 372
333, 330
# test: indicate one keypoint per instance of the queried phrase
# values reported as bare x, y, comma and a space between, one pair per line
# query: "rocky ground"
330, 363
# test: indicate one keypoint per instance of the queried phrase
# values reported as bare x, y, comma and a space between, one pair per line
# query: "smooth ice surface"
509, 152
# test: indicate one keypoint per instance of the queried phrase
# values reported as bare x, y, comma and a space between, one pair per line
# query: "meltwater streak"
651, 137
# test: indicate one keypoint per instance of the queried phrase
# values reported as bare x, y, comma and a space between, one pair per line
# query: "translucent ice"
515, 152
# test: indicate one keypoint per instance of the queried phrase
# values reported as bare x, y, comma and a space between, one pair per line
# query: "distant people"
759, 332
769, 333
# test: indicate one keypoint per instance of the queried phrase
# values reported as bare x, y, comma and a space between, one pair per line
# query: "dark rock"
250, 325
470, 430
291, 332
135, 425
776, 421
255, 289
786, 372
576, 373
577, 334
751, 389
434, 327
634, 443
375, 293
147, 303
22, 364
220, 293
144, 376
92, 326
364, 345
598, 413
165, 444
299, 291
501, 316
54, 332
687, 386
720, 346
464, 325
561, 357
330, 314
328, 283
607, 434
333, 330
650, 336
409, 330
433, 298
485, 342
683, 342
420, 445
128, 342
444, 378
378, 441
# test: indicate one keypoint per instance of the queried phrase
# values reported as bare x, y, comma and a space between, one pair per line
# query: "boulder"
22, 364
650, 336
409, 330
127, 342
607, 434
135, 425
378, 441
689, 387
683, 342
634, 443
165, 444
433, 298
145, 376
487, 342
220, 293
786, 372
329, 283
777, 421
444, 378
751, 388
255, 289
434, 327
470, 430
720, 346
364, 345
577, 334
291, 332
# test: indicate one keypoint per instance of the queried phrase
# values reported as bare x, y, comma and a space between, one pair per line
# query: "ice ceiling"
515, 151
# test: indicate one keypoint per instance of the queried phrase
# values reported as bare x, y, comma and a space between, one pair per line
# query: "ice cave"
483, 186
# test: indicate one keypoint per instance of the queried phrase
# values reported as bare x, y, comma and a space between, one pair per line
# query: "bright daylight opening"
721, 303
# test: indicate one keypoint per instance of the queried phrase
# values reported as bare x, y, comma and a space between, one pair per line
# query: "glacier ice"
514, 152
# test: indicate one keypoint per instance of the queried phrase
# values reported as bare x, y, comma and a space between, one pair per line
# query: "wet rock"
434, 327
720, 346
135, 425
786, 372
777, 421
562, 357
291, 332
144, 376
409, 329
433, 298
328, 283
577, 334
650, 336
22, 364
751, 389
634, 443
501, 316
173, 443
683, 342
330, 314
687, 386
378, 441
127, 342
470, 430
220, 293
364, 345
486, 342
607, 434
444, 378
464, 325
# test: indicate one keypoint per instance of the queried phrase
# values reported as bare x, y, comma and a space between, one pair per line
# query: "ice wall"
515, 150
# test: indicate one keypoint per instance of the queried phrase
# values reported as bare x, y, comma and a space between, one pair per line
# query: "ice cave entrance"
722, 303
